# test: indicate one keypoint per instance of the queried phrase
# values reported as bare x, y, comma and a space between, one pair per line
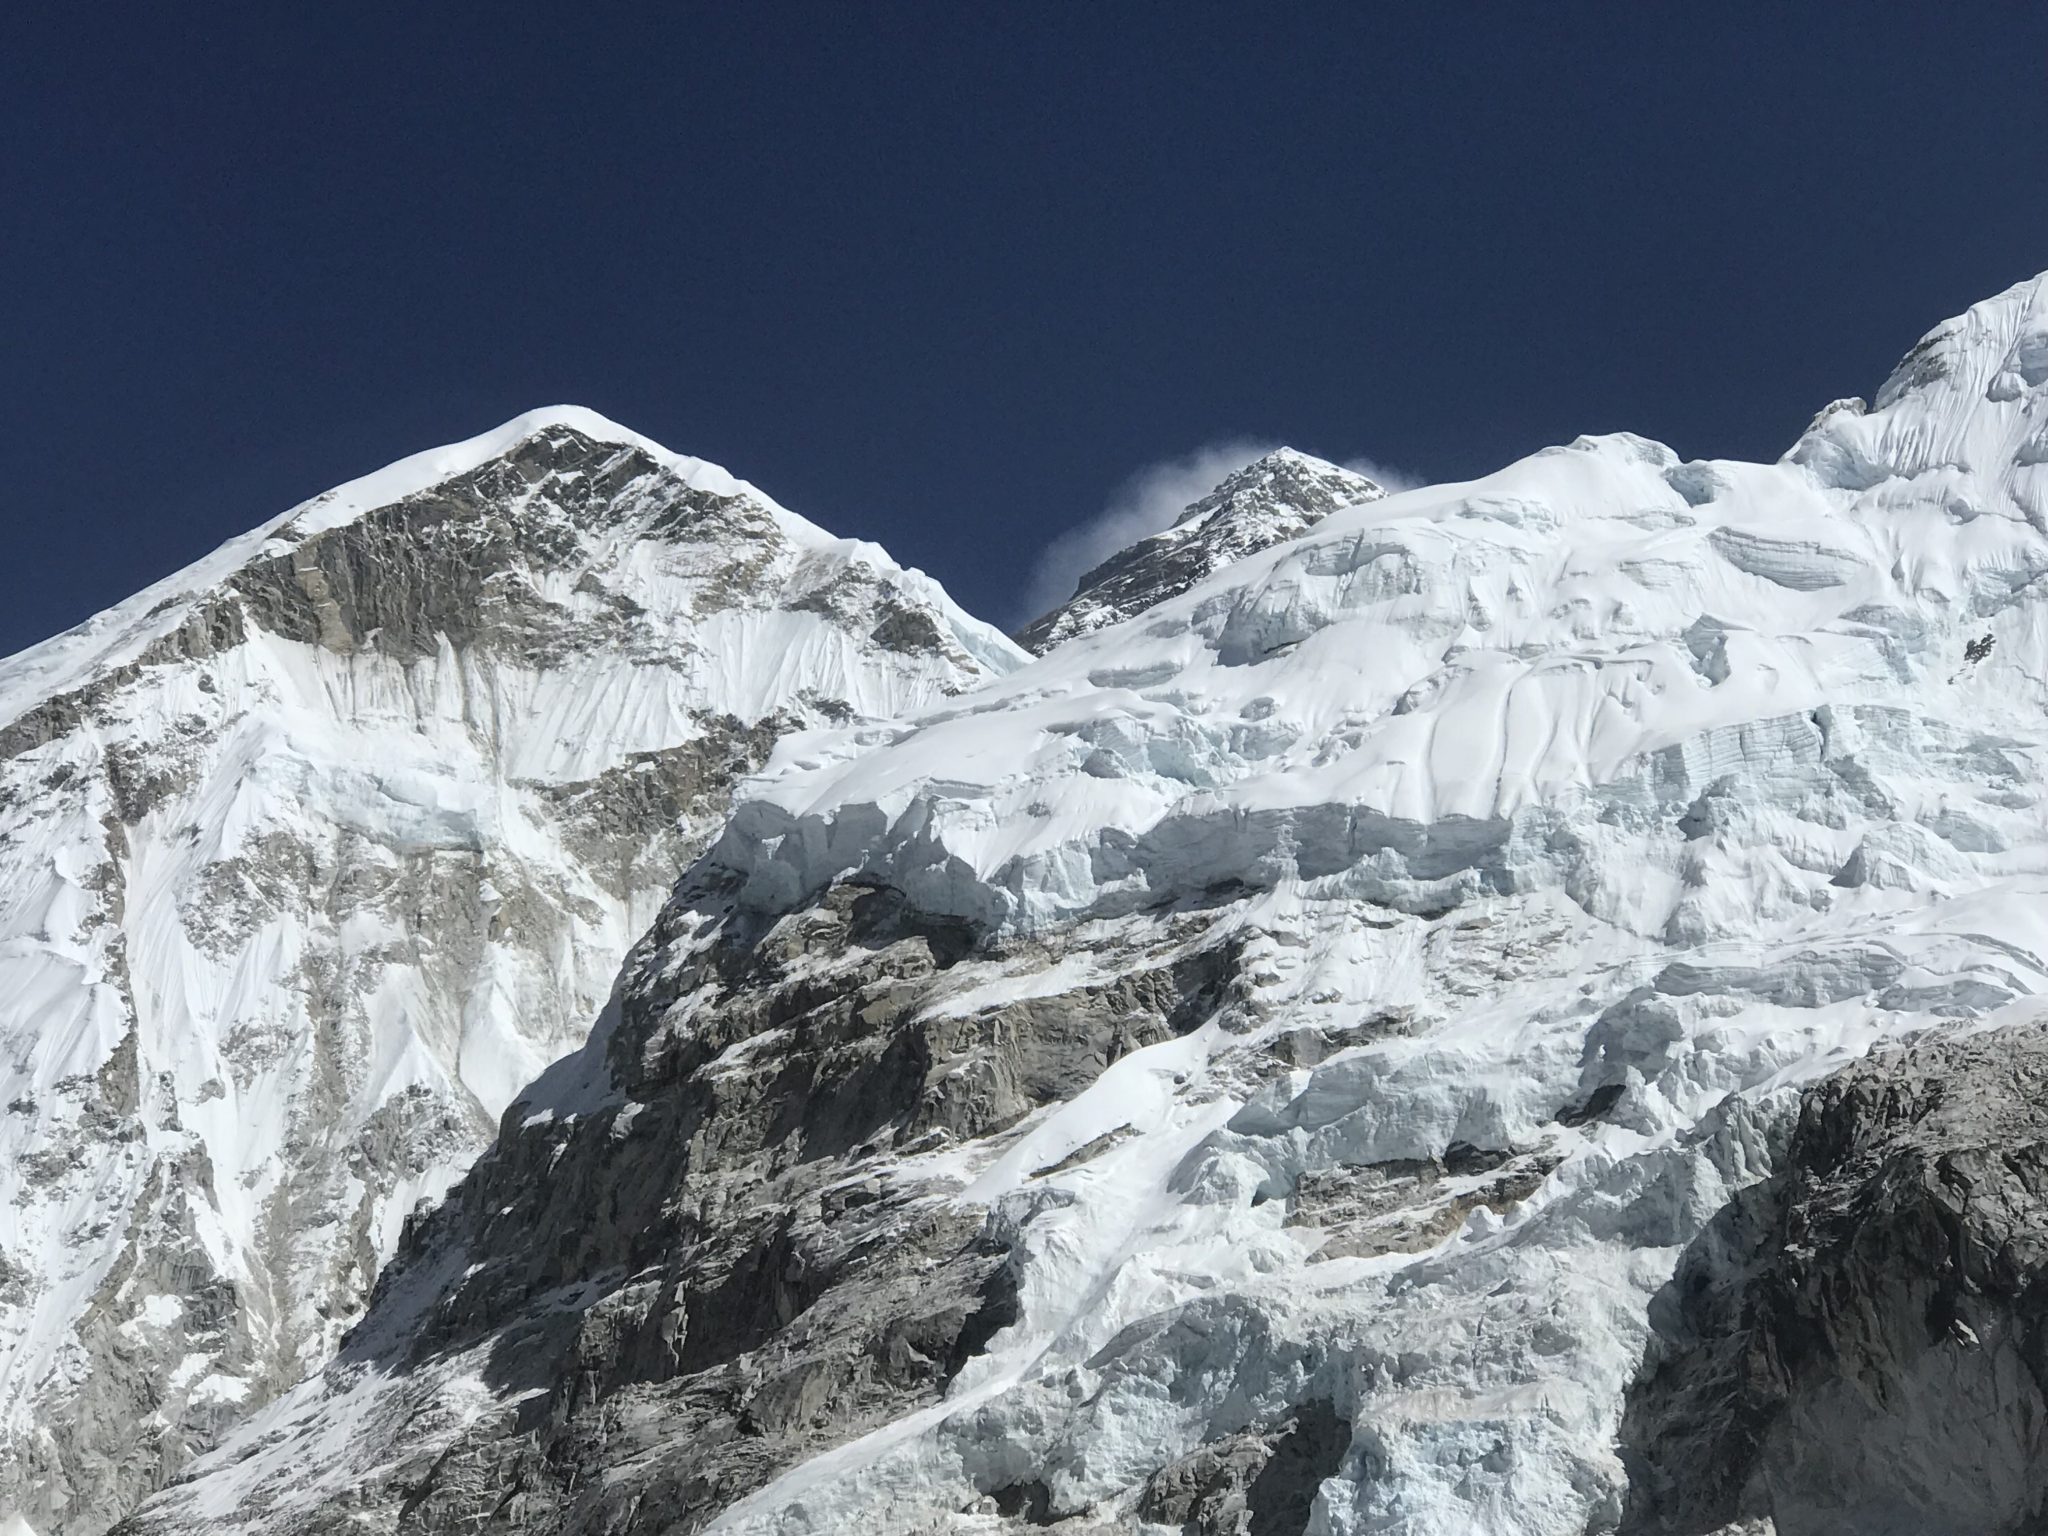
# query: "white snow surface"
283, 927
1607, 768
1689, 780
1463, 653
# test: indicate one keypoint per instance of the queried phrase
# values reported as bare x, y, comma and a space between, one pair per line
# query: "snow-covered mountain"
1275, 498
314, 854
1372, 1044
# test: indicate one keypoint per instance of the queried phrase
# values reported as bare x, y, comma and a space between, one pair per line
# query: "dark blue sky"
945, 274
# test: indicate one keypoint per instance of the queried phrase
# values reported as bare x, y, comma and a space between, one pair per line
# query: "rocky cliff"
1856, 1345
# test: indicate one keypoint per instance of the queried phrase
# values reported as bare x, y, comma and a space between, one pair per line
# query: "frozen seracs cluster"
1261, 1065
1638, 791
315, 853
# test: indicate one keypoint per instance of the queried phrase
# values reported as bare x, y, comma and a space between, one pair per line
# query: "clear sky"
948, 274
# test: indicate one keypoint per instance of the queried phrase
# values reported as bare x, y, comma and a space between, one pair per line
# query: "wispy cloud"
1394, 480
1147, 502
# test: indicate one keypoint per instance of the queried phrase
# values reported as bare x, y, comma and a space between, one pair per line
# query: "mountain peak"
426, 754
1962, 405
1288, 477
416, 472
1276, 497
544, 513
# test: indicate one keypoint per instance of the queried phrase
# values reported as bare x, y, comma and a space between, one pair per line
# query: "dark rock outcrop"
1860, 1343
712, 1265
1251, 1484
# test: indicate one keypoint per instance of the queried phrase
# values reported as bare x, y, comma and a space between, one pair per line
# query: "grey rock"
1412, 1205
1251, 1484
1860, 1343
455, 563
688, 1272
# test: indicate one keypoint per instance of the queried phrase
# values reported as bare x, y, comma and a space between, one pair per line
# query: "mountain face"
1269, 501
1512, 1010
316, 853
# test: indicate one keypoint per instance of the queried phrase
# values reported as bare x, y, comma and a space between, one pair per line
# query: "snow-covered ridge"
396, 481
313, 854
119, 635
1457, 654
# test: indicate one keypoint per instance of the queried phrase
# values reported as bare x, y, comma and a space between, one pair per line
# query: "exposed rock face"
1858, 1346
1250, 1484
318, 852
1269, 501
755, 1253
1263, 1063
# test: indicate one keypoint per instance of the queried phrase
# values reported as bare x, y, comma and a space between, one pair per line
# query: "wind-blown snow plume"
1146, 502
1389, 478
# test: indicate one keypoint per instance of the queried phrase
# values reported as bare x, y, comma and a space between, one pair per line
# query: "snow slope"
1328, 1002
314, 853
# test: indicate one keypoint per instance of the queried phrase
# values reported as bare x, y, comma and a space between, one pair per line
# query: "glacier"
1323, 1053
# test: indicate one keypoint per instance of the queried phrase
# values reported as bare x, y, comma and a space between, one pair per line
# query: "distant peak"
1285, 477
1276, 497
